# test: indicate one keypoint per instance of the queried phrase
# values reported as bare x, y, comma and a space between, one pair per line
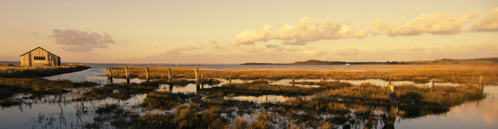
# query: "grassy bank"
40, 71
121, 91
37, 87
262, 87
413, 101
347, 104
443, 73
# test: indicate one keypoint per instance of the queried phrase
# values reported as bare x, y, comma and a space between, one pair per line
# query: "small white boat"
347, 62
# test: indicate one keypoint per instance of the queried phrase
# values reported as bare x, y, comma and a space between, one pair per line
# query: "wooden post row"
147, 73
196, 76
169, 75
126, 72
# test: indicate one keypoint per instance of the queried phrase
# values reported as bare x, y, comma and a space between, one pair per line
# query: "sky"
225, 32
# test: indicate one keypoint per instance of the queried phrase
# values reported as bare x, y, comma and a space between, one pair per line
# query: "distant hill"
444, 61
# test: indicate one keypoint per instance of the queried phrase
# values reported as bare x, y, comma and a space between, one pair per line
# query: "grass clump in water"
185, 117
413, 101
37, 86
122, 91
166, 100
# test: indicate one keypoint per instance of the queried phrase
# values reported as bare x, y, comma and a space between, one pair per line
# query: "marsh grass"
185, 117
166, 100
262, 87
37, 86
348, 104
121, 91
413, 102
107, 108
39, 71
445, 73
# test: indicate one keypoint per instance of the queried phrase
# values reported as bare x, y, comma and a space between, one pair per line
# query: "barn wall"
28, 59
39, 53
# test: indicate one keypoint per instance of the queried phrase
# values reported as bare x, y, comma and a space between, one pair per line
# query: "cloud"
411, 53
379, 26
80, 41
313, 53
432, 23
348, 51
308, 31
283, 48
189, 48
251, 36
214, 44
291, 49
271, 46
415, 48
253, 49
487, 23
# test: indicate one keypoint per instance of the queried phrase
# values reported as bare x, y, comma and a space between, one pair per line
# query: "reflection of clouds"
487, 109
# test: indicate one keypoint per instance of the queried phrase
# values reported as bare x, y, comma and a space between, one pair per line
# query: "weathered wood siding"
28, 59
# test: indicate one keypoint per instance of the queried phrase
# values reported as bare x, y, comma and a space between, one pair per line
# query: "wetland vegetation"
330, 104
463, 74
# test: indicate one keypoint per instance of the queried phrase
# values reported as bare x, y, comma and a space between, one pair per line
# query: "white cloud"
308, 31
432, 23
80, 41
379, 26
487, 23
251, 36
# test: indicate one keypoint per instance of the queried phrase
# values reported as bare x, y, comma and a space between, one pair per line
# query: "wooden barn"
40, 57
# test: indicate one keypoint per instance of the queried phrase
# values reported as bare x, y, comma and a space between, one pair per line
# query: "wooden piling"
391, 118
127, 75
110, 74
393, 112
230, 78
169, 76
110, 71
432, 84
391, 86
196, 76
481, 86
147, 73
126, 72
292, 79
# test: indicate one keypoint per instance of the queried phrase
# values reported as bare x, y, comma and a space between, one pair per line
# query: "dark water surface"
57, 111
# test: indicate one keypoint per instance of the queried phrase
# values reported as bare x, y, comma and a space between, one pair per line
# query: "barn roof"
40, 48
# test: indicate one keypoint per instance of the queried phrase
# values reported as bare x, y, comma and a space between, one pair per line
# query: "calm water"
60, 112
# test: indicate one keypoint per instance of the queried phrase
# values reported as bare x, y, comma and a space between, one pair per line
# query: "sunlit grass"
465, 74
38, 71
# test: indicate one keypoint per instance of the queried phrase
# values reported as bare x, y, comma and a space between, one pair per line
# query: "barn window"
39, 58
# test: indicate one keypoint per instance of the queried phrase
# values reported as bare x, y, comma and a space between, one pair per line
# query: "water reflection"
478, 114
57, 111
